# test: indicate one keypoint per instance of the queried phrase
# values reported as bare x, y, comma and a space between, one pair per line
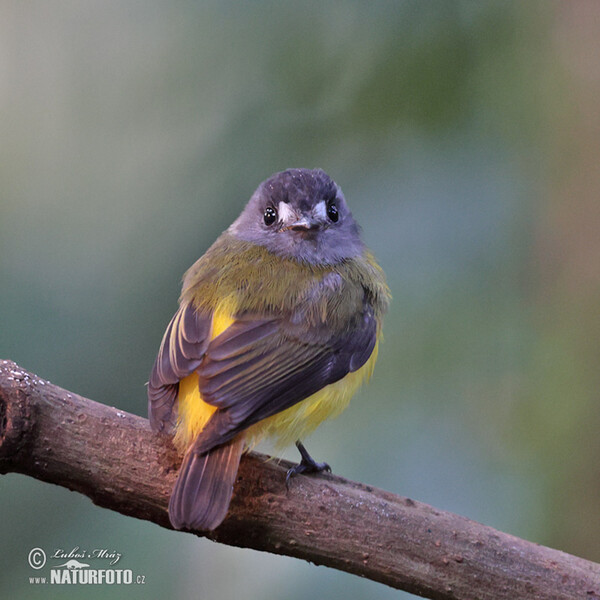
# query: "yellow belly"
300, 420
286, 427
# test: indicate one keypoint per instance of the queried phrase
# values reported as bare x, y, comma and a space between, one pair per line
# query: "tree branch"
114, 458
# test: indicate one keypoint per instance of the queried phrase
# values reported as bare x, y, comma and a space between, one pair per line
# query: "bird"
278, 325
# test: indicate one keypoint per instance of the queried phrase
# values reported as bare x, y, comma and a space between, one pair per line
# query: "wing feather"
181, 352
253, 372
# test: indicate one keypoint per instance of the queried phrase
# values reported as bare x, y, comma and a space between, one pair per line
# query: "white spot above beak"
320, 211
286, 213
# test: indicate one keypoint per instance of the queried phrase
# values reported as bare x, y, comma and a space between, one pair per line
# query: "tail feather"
202, 492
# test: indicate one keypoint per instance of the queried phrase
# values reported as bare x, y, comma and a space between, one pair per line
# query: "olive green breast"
255, 280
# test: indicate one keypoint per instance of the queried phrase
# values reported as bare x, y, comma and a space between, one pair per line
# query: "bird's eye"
332, 212
270, 215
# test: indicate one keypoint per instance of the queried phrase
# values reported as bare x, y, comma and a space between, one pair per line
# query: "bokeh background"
465, 137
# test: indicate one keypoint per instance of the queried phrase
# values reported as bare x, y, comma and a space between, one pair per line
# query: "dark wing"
181, 351
257, 368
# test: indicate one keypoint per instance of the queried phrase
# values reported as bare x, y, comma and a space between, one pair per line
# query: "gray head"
300, 214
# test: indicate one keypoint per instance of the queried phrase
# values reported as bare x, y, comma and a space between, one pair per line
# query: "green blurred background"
465, 137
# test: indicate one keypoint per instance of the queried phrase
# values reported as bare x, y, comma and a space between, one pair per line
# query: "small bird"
278, 325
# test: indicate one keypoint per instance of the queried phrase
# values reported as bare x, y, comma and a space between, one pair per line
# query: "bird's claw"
307, 465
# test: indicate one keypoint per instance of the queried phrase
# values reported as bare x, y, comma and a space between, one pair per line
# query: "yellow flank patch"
298, 421
193, 412
222, 317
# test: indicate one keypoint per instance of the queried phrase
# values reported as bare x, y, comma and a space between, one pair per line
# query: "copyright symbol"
37, 558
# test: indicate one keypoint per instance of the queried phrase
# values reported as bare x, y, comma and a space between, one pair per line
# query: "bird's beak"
302, 224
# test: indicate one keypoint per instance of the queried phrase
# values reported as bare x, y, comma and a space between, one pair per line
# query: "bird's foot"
307, 465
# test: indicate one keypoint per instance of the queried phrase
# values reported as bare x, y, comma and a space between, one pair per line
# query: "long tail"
203, 490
